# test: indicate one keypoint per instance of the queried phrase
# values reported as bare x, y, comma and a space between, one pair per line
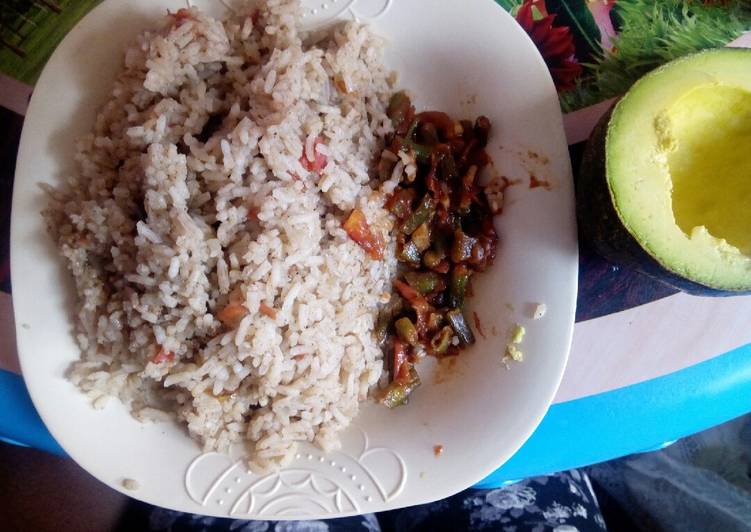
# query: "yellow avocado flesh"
710, 162
678, 166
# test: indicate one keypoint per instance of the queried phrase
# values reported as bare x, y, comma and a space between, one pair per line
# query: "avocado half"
665, 180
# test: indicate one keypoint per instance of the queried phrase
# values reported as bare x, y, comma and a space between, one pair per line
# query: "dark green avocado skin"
600, 225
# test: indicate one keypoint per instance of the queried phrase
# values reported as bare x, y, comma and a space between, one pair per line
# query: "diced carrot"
163, 356
267, 311
409, 293
358, 230
232, 314
319, 160
181, 16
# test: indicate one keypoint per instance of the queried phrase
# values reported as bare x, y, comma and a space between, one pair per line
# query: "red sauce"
478, 324
533, 156
535, 182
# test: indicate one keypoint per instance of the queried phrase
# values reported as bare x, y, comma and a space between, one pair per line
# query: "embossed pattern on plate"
314, 483
318, 13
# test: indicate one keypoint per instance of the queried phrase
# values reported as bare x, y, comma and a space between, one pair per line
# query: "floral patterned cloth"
564, 502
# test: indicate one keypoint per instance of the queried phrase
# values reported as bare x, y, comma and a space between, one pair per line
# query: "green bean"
422, 214
397, 393
423, 282
459, 324
458, 287
406, 331
441, 340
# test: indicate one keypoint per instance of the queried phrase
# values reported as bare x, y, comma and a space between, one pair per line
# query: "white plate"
463, 57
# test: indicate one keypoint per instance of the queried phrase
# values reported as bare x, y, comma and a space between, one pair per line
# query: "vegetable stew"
445, 235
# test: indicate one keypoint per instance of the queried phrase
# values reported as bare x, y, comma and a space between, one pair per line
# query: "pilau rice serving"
204, 230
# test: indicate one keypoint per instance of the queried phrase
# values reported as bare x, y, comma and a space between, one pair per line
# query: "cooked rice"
191, 194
